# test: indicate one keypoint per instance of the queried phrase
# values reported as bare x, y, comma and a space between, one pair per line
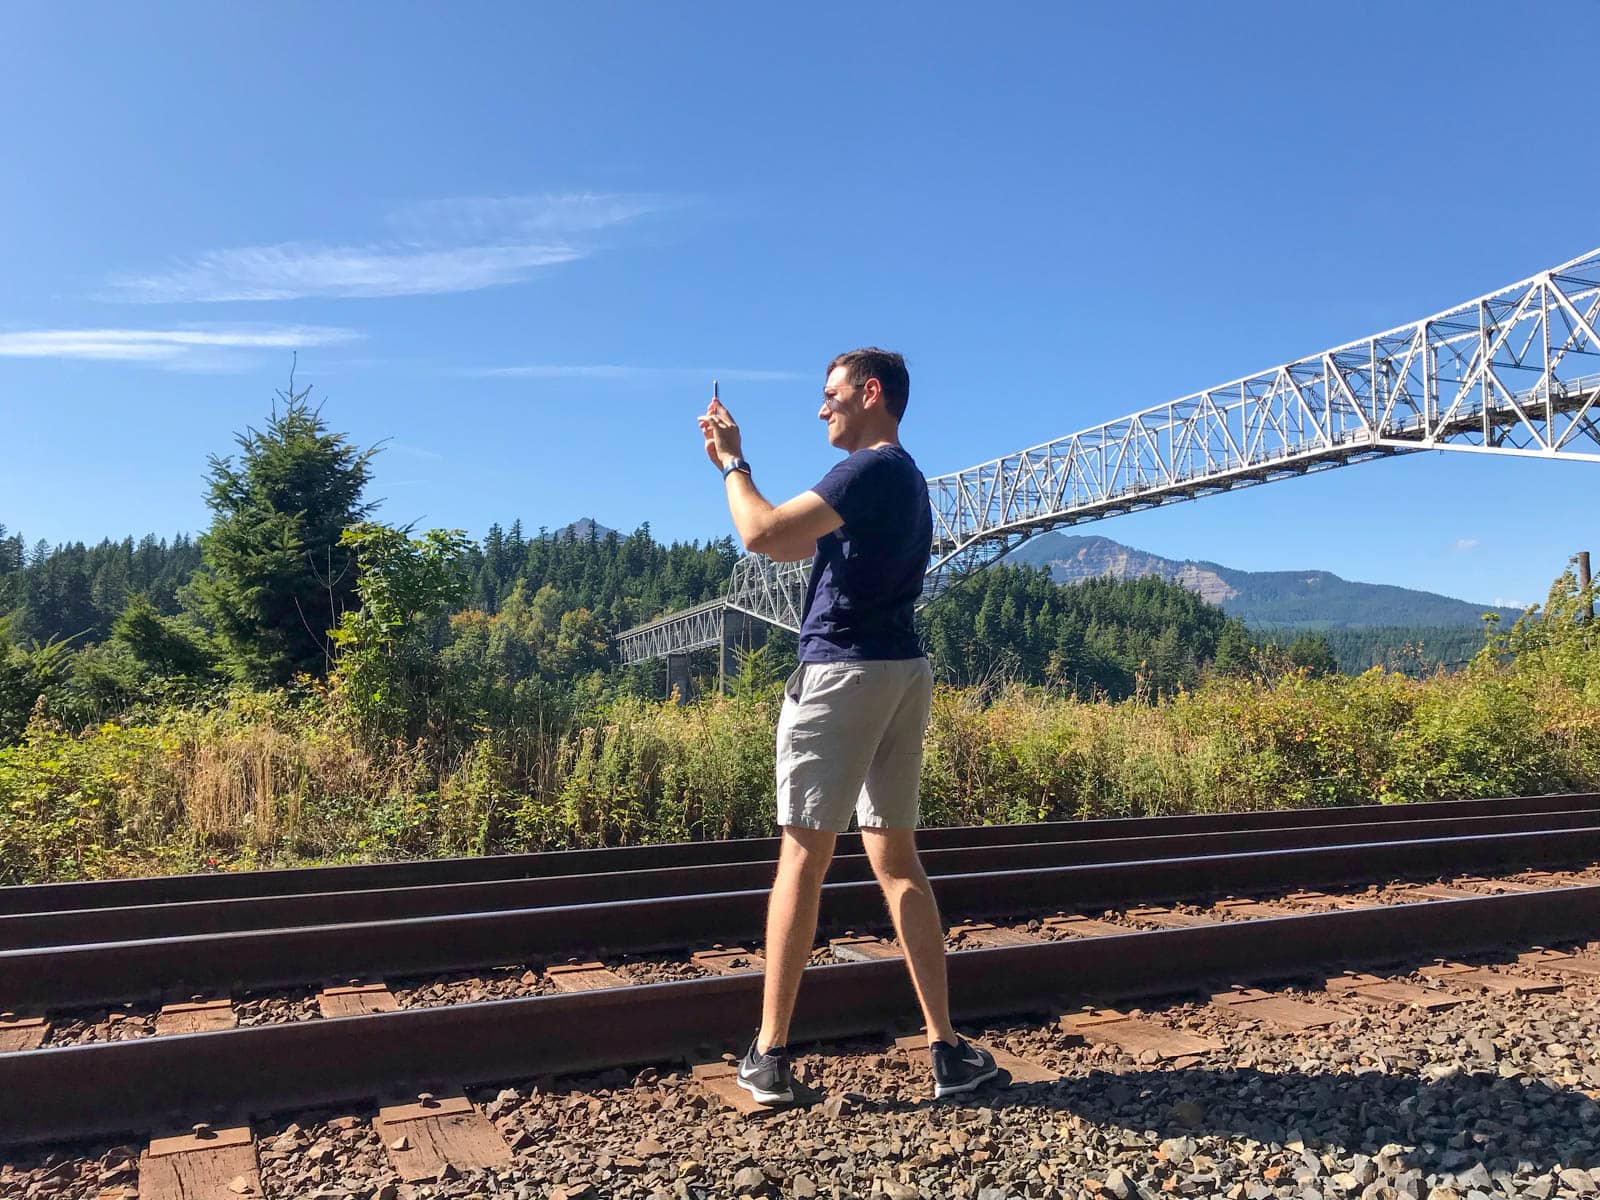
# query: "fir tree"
276, 578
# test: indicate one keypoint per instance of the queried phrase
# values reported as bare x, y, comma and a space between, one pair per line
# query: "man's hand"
721, 434
787, 533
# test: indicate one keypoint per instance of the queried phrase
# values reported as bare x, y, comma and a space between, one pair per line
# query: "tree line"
435, 635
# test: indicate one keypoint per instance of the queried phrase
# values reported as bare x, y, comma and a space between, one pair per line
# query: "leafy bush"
296, 774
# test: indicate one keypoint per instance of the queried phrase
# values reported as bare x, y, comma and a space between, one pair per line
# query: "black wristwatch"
737, 464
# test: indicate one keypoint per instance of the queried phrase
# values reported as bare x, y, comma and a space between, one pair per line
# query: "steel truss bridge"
1516, 372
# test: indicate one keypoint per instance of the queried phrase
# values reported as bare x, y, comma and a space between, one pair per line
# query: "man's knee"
893, 855
806, 853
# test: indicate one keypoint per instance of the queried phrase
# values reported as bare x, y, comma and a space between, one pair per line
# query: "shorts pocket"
834, 679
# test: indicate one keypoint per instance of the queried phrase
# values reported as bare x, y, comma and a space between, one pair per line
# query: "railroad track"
1091, 897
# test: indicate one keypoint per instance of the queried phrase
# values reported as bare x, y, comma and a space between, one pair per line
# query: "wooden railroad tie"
583, 977
1440, 891
853, 948
985, 934
1490, 884
1250, 910
1277, 1010
1323, 899
21, 1033
206, 1164
196, 1016
1562, 962
356, 999
1391, 991
1077, 925
1136, 1034
728, 960
1166, 918
1454, 974
421, 1138
1557, 879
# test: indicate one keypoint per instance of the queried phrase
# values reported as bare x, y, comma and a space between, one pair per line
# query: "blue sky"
518, 242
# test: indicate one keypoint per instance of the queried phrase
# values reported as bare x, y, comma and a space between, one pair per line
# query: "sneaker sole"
763, 1097
941, 1090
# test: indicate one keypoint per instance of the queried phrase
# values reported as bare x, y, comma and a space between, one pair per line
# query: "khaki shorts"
850, 739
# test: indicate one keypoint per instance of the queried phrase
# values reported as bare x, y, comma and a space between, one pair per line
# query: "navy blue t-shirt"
867, 574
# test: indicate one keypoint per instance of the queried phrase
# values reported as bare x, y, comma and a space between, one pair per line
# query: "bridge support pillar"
739, 632
679, 681
1583, 582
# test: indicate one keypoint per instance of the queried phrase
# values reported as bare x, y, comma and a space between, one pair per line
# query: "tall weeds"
268, 778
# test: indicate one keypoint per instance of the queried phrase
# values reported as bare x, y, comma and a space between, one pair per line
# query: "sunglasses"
833, 405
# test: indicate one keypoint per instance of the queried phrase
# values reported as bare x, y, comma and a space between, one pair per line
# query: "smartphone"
714, 389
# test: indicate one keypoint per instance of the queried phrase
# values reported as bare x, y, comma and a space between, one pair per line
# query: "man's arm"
787, 532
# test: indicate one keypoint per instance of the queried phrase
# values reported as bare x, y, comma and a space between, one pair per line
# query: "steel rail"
142, 1085
112, 972
108, 893
32, 930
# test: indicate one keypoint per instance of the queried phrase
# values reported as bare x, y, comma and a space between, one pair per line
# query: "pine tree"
276, 578
1311, 653
1233, 650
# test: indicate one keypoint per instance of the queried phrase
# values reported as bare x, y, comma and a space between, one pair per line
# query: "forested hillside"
74, 590
1309, 599
1104, 636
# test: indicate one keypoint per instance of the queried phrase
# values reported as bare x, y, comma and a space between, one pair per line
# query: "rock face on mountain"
1072, 559
1312, 599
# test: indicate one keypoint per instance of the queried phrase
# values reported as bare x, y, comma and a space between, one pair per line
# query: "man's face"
841, 405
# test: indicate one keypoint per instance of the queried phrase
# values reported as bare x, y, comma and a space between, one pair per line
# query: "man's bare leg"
915, 913
803, 858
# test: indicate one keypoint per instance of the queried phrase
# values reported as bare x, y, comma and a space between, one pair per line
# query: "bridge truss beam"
1516, 372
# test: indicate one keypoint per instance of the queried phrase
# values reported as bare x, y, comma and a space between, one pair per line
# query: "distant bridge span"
1514, 372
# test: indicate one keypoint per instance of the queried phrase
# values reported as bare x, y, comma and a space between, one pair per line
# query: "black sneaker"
960, 1068
768, 1077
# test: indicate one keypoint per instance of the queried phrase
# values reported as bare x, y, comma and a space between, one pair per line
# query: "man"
850, 732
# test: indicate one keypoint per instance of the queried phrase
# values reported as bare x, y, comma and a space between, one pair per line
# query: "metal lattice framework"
677, 633
1515, 372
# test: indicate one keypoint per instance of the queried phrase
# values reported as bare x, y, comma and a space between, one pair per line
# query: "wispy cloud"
1463, 545
201, 348
414, 451
459, 245
626, 374
493, 218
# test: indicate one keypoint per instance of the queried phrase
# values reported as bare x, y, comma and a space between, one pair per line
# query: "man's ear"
872, 393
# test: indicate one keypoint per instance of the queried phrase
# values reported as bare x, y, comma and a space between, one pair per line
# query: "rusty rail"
67, 976
180, 919
94, 1090
48, 897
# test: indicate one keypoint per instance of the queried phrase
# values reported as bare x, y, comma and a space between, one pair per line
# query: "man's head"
865, 397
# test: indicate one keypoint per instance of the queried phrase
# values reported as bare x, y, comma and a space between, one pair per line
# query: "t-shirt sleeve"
850, 489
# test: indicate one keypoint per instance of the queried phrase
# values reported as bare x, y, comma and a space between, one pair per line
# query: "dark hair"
887, 367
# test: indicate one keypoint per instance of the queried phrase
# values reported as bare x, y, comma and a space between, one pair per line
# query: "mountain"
1303, 599
580, 529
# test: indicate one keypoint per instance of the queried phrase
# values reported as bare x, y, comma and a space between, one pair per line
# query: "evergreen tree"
1233, 650
1311, 653
276, 578
166, 646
